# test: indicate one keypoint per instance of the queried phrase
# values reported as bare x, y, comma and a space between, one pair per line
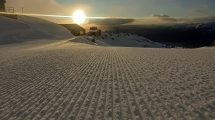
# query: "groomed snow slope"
29, 28
73, 81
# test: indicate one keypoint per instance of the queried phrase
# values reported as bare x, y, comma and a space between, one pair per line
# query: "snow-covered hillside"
118, 39
128, 40
29, 28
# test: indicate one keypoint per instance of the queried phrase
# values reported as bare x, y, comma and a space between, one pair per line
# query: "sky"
142, 8
118, 8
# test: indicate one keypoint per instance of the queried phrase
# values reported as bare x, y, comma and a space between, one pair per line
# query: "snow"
69, 80
77, 79
127, 40
29, 28
118, 39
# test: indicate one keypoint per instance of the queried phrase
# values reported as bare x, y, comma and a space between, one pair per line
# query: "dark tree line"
2, 5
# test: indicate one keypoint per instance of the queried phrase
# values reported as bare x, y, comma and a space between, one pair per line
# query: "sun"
79, 17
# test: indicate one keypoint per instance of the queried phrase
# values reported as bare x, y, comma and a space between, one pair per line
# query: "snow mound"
118, 39
26, 28
83, 40
127, 40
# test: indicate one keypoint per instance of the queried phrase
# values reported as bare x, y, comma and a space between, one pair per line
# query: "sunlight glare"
79, 17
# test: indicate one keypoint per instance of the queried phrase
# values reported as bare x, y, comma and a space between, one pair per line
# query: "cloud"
46, 7
153, 19
160, 15
201, 10
35, 6
110, 21
56, 8
169, 20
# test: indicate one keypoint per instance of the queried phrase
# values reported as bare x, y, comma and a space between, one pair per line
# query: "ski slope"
27, 28
68, 80
112, 79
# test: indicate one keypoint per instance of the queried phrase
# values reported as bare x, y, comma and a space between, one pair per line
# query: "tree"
2, 5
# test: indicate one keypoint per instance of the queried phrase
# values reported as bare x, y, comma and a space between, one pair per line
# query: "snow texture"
126, 40
29, 28
68, 80
118, 39
74, 80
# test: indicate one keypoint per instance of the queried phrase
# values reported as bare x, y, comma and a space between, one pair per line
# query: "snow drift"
26, 28
118, 39
127, 40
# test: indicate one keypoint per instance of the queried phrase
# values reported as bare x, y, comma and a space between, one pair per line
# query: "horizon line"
67, 16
